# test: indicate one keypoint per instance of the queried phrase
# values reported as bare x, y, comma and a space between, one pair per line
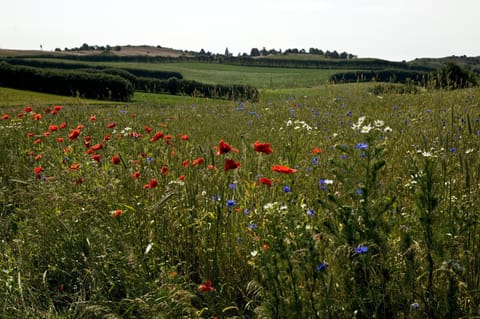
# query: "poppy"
185, 163
181, 177
224, 148
283, 169
135, 175
317, 150
38, 157
265, 181
96, 157
74, 166
93, 118
60, 139
74, 134
117, 213
116, 159
206, 286
198, 161
53, 128
57, 108
153, 183
38, 170
5, 117
111, 125
37, 117
30, 134
27, 109
231, 164
148, 129
107, 137
184, 137
157, 136
262, 147
97, 147
164, 169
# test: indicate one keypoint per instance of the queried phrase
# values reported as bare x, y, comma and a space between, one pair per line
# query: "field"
319, 201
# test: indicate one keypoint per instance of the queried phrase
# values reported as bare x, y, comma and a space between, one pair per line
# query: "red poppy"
53, 128
74, 166
185, 163
38, 157
117, 213
93, 118
198, 161
46, 133
97, 147
47, 110
96, 157
27, 109
135, 175
116, 159
184, 137
111, 125
283, 169
157, 136
37, 141
38, 170
265, 181
37, 117
262, 147
107, 137
5, 117
164, 169
206, 286
224, 148
317, 150
19, 114
63, 125
231, 164
181, 177
60, 139
148, 129
74, 134
57, 108
30, 134
153, 183
80, 126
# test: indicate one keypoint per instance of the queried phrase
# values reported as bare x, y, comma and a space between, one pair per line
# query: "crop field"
322, 202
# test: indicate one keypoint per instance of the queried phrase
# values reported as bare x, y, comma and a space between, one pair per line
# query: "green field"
318, 201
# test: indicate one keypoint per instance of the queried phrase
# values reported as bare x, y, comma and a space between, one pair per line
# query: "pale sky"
394, 30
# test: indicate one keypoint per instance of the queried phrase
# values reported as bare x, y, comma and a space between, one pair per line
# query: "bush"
452, 76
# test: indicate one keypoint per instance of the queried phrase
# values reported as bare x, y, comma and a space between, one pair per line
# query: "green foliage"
377, 217
100, 86
452, 76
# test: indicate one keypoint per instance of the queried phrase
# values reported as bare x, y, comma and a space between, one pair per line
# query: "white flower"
366, 128
387, 129
379, 123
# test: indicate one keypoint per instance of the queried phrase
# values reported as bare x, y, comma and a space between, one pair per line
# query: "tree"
452, 76
255, 52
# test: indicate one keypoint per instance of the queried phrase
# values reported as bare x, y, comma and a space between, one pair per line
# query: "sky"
388, 29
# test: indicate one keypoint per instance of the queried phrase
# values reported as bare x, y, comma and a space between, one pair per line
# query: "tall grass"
373, 212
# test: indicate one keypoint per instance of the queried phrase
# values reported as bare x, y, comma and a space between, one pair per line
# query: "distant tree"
58, 49
264, 52
452, 76
227, 53
84, 47
255, 52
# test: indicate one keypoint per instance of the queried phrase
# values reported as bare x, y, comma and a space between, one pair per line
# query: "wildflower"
111, 125
27, 109
74, 134
252, 226
93, 118
414, 306
262, 147
361, 249
286, 189
198, 161
74, 166
37, 117
5, 117
232, 185
310, 212
323, 266
116, 213
265, 181
283, 169
63, 125
359, 191
97, 147
387, 129
148, 129
57, 108
206, 286
317, 150
184, 137
224, 148
135, 175
361, 146
53, 128
149, 160
116, 159
366, 128
378, 123
164, 169
38, 170
453, 150
152, 184
96, 157
231, 203
38, 157
231, 164
157, 136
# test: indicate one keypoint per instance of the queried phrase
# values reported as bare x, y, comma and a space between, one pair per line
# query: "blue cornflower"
361, 249
252, 226
286, 189
232, 185
247, 211
359, 191
322, 266
315, 161
149, 160
344, 157
361, 146
310, 212
231, 203
453, 150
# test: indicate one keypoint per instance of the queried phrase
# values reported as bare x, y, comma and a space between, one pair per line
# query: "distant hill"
469, 63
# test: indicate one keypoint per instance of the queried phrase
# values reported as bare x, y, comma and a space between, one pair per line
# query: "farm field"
318, 201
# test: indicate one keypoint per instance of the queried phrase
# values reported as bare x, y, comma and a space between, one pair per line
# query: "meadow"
323, 202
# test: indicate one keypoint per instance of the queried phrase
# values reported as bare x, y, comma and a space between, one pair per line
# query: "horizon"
389, 30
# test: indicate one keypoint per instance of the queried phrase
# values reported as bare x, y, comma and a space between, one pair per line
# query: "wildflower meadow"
342, 204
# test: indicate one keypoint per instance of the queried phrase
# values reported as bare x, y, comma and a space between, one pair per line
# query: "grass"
367, 206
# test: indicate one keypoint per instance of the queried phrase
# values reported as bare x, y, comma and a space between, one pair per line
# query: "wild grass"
372, 212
